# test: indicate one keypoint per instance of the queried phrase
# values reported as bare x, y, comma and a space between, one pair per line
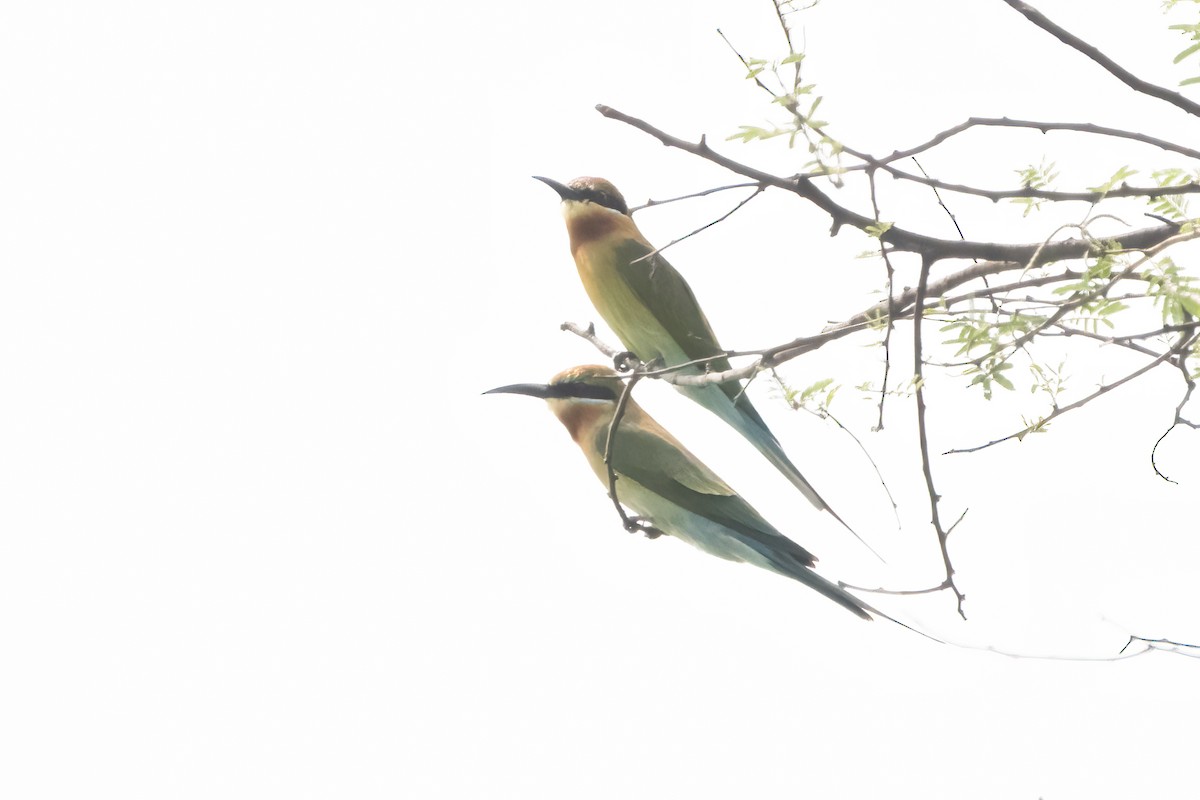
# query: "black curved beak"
550, 391
565, 192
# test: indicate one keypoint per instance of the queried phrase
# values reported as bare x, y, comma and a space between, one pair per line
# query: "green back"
667, 470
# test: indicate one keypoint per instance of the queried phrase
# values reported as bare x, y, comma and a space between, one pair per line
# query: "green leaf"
1185, 53
1117, 177
1192, 303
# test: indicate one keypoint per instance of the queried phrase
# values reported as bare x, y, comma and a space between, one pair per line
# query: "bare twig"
891, 308
589, 333
631, 524
897, 592
1179, 419
757, 191
1060, 410
825, 413
1046, 194
693, 195
923, 439
937, 196
1120, 73
1169, 645
1043, 127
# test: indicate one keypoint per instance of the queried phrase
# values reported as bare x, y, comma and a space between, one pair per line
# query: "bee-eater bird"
673, 490
652, 310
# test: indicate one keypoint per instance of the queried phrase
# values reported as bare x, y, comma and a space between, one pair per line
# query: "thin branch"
923, 439
757, 191
787, 32
704, 193
891, 309
1060, 410
824, 413
947, 582
631, 524
1179, 419
1180, 328
1120, 73
1154, 455
1043, 127
991, 293
1129, 341
930, 247
745, 63
897, 592
1080, 299
1062, 329
1149, 645
589, 333
1046, 194
1169, 645
953, 219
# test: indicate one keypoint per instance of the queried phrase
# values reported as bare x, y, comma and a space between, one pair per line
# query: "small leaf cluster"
1173, 206
1040, 177
1192, 31
979, 329
801, 102
818, 395
1173, 291
1118, 177
1093, 307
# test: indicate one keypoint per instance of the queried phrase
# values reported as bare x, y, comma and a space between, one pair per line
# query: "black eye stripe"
602, 198
586, 391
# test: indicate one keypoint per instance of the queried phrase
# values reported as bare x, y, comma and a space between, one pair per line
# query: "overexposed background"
260, 535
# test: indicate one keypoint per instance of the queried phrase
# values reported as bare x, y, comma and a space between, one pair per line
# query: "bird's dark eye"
603, 198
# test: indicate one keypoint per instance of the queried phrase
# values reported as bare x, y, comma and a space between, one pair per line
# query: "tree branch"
1043, 127
1060, 410
923, 439
929, 247
631, 524
1120, 73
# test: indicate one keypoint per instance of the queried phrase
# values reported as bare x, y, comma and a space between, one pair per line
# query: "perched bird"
673, 490
652, 310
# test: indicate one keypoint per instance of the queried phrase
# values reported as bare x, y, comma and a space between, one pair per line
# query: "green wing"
663, 291
666, 294
667, 469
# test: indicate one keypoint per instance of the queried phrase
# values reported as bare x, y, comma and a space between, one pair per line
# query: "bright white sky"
260, 535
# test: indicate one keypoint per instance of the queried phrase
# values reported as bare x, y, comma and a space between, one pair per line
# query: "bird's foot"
626, 361
642, 525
